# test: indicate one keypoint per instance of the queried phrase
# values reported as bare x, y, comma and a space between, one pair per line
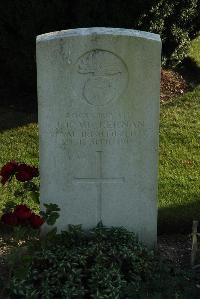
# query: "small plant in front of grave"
102, 263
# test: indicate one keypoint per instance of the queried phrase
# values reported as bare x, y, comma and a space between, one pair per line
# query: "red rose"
36, 221
7, 171
23, 176
9, 219
35, 171
26, 173
24, 222
22, 212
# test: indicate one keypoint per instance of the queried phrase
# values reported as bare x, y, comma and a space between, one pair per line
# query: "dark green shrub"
101, 264
177, 22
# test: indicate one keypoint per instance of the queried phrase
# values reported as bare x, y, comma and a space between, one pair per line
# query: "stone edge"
97, 31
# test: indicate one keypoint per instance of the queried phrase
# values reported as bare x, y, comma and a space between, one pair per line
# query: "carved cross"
99, 180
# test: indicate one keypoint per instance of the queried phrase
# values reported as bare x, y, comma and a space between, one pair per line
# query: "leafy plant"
177, 23
51, 214
103, 263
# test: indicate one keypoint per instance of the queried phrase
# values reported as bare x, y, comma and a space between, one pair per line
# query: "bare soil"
175, 248
172, 85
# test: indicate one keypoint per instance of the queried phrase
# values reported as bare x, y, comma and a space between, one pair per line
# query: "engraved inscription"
97, 129
101, 76
99, 180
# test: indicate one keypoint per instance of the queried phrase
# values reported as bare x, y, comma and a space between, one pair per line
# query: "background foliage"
22, 20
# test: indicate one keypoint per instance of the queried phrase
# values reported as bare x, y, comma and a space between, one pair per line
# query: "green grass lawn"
179, 168
179, 178
195, 51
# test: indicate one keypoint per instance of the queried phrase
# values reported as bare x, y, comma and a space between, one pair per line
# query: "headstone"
98, 95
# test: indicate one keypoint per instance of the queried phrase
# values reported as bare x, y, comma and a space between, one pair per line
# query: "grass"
179, 168
179, 179
195, 51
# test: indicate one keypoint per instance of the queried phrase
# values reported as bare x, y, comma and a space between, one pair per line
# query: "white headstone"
98, 94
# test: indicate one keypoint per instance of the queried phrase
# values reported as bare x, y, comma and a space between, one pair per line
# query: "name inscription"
96, 129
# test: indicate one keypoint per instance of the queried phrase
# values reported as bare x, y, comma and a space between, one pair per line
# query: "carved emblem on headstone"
102, 75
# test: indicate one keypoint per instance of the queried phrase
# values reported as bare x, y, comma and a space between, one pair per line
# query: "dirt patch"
172, 85
175, 248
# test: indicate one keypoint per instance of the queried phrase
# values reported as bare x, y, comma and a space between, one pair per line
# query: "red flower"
36, 221
35, 171
24, 222
26, 173
9, 219
22, 212
7, 171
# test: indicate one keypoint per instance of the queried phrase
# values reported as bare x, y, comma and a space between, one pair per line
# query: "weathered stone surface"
98, 95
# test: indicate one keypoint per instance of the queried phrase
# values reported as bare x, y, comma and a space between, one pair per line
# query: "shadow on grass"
10, 118
178, 219
190, 71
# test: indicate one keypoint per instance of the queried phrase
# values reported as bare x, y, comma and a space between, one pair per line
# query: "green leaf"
51, 233
19, 193
35, 196
30, 186
99, 224
51, 219
9, 205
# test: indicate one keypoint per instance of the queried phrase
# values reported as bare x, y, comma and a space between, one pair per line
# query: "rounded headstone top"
97, 31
